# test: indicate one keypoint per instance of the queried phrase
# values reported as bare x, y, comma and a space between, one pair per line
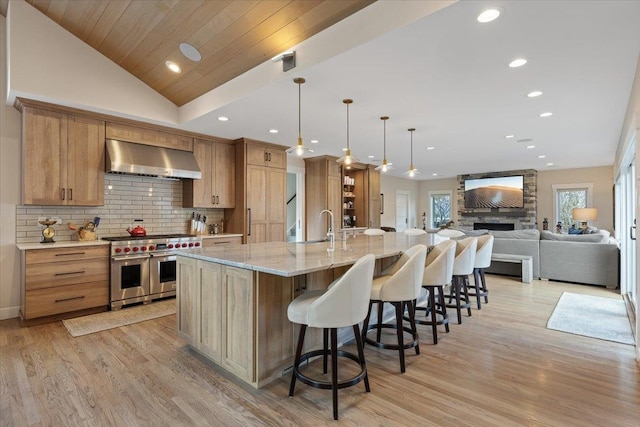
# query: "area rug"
114, 319
591, 316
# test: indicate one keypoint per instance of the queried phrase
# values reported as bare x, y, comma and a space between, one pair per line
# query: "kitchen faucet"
330, 233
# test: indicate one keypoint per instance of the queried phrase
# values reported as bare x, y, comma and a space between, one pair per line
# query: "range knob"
151, 247
170, 246
118, 250
191, 245
135, 249
144, 248
127, 249
184, 245
197, 244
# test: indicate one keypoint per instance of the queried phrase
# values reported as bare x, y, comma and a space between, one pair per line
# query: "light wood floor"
501, 367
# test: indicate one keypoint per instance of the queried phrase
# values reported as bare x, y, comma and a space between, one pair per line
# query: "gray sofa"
591, 259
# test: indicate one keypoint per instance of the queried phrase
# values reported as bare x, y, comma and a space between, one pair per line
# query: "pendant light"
299, 149
412, 171
384, 166
347, 159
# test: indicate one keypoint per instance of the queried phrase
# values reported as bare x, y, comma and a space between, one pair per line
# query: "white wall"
10, 174
388, 186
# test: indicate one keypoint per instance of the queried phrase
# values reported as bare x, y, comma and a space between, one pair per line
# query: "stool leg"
398, 306
412, 319
476, 281
443, 307
334, 370
359, 344
465, 290
365, 324
484, 286
303, 329
456, 289
432, 306
380, 311
325, 346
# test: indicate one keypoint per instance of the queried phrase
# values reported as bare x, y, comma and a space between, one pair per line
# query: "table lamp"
584, 215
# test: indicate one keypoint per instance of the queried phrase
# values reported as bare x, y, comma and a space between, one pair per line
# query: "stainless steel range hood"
140, 159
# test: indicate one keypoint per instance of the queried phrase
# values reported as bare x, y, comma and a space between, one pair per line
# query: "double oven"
144, 268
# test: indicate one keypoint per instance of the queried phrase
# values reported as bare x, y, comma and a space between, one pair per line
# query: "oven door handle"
162, 254
129, 258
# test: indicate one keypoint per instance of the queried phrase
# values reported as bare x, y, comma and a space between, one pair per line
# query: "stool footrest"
327, 384
443, 321
377, 344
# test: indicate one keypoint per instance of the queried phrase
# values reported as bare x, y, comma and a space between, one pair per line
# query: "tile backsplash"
157, 201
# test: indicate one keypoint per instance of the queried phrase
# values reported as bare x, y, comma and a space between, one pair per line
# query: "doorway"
402, 210
295, 205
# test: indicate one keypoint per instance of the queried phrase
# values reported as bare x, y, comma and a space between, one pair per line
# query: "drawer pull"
69, 299
71, 272
71, 253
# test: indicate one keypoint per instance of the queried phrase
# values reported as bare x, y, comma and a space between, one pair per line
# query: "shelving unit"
349, 200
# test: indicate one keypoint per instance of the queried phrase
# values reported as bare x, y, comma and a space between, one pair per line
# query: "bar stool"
374, 232
343, 304
399, 285
482, 261
462, 268
438, 272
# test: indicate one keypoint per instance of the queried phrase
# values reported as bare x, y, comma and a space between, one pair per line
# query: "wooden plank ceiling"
233, 36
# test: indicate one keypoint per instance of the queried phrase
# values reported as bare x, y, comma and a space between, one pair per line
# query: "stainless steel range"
144, 268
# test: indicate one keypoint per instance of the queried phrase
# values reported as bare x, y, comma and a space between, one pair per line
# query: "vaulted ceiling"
232, 36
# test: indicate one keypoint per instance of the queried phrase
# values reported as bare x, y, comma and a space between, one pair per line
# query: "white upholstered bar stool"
414, 232
448, 232
463, 265
482, 261
438, 272
374, 232
399, 285
343, 304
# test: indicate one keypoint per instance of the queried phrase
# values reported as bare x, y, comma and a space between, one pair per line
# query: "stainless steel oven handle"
162, 254
129, 258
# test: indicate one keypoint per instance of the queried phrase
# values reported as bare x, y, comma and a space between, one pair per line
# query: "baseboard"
9, 312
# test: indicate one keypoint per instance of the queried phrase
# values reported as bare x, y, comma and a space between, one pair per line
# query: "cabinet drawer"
49, 275
210, 243
38, 256
62, 299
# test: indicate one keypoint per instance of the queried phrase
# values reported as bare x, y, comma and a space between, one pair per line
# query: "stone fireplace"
494, 219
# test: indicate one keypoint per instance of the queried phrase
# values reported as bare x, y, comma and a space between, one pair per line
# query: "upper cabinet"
216, 188
63, 159
148, 136
265, 155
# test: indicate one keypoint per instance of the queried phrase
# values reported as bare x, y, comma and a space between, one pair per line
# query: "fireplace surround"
508, 226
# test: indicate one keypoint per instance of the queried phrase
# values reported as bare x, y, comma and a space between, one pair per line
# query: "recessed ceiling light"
371, 157
518, 62
509, 136
488, 15
542, 156
550, 164
531, 146
223, 119
534, 94
431, 148
547, 114
173, 66
273, 130
434, 174
190, 52
314, 141
525, 140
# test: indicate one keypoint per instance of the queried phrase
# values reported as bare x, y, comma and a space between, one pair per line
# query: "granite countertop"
61, 244
293, 259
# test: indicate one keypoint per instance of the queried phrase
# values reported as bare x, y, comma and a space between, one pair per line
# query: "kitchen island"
232, 301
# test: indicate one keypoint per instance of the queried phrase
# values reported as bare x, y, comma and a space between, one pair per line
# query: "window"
439, 208
569, 196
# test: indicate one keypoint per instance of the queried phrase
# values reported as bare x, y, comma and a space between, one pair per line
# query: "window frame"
576, 186
430, 195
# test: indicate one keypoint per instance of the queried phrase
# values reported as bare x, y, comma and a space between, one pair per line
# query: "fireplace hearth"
493, 226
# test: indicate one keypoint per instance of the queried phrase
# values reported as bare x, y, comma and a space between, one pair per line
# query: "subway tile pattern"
157, 201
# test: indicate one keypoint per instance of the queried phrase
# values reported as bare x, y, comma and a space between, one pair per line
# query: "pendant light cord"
347, 126
299, 112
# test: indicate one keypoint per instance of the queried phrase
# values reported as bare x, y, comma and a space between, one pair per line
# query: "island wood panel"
148, 136
238, 326
85, 161
210, 293
187, 299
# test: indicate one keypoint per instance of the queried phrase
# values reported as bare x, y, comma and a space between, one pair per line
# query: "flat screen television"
499, 192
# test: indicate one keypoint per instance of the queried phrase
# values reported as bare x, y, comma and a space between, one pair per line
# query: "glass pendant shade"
412, 171
385, 166
299, 149
347, 159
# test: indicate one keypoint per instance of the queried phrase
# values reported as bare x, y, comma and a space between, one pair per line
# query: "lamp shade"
584, 214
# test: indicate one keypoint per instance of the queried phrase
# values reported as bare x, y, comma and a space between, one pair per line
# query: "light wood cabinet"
221, 241
260, 211
215, 313
64, 280
375, 199
148, 136
216, 188
324, 191
63, 159
361, 196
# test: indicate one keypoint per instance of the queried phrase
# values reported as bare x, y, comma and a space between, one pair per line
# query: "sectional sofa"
592, 259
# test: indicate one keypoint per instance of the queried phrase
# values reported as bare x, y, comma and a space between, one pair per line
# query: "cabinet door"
85, 162
238, 295
256, 155
44, 135
334, 200
201, 189
257, 201
375, 201
276, 205
210, 286
224, 180
187, 308
276, 158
